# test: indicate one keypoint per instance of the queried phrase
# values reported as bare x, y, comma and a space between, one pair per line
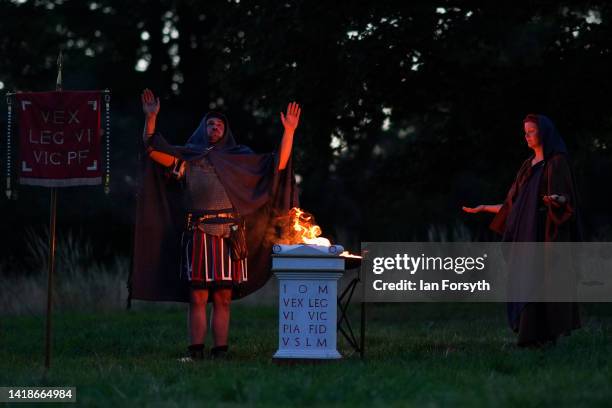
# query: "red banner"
59, 138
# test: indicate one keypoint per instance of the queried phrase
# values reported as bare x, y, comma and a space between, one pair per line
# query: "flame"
299, 227
347, 254
306, 229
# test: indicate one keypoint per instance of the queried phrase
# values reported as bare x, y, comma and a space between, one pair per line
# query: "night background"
410, 110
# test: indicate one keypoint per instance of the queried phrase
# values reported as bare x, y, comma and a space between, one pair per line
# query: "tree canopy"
410, 110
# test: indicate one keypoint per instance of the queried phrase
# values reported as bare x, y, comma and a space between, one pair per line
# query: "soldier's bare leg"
197, 315
222, 299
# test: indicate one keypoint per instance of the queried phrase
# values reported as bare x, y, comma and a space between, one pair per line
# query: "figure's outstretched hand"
292, 117
554, 200
474, 210
150, 104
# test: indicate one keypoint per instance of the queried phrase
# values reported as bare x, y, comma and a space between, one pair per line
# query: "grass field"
417, 355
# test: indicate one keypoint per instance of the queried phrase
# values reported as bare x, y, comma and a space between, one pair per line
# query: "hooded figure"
526, 216
255, 186
203, 217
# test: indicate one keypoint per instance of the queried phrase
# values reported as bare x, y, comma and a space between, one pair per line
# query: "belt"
194, 218
220, 215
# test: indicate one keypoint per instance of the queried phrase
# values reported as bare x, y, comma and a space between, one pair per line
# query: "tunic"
204, 191
206, 260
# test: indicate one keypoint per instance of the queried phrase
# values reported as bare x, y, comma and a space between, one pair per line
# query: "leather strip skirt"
206, 261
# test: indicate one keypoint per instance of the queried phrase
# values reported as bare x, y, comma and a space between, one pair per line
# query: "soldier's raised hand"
291, 119
150, 104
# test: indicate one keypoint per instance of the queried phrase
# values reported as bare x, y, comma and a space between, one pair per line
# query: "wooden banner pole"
52, 240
